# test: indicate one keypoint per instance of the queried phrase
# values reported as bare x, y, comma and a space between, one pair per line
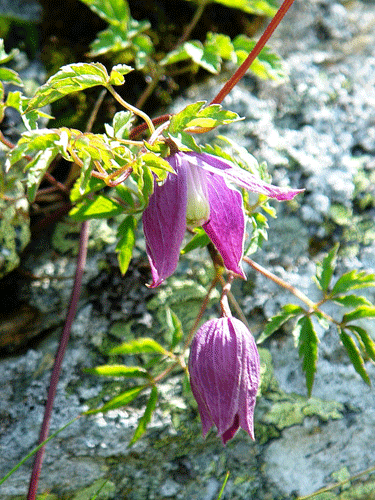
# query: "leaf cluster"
156, 358
355, 338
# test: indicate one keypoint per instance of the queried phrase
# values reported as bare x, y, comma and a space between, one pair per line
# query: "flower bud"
224, 376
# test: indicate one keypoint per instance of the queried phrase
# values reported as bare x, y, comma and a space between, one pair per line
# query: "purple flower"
199, 196
224, 376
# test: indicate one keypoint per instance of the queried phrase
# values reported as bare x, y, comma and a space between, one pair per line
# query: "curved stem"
59, 359
253, 54
201, 311
133, 109
224, 305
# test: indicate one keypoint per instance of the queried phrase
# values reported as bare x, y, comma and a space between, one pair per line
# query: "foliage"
356, 340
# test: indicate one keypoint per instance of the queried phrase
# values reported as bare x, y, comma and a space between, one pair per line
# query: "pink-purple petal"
226, 226
164, 223
241, 177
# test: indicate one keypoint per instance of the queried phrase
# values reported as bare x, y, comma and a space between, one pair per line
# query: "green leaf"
118, 371
195, 117
261, 7
267, 65
115, 12
199, 240
99, 207
121, 400
353, 280
121, 124
37, 167
158, 165
139, 346
146, 418
19, 102
287, 312
9, 76
360, 312
174, 328
4, 57
143, 48
112, 40
351, 300
367, 341
116, 76
124, 248
354, 356
70, 78
145, 182
325, 269
308, 349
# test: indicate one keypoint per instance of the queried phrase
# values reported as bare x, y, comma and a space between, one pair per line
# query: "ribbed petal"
164, 223
250, 378
224, 376
215, 372
241, 177
226, 226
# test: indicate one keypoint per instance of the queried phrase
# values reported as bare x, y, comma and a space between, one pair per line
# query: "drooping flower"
199, 196
224, 376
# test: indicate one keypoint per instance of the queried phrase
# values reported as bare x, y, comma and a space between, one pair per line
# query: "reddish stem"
253, 54
59, 359
237, 75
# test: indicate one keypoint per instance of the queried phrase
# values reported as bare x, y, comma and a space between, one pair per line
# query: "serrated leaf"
351, 300
325, 269
139, 346
367, 341
267, 65
195, 117
118, 401
199, 240
100, 207
10, 76
353, 280
360, 312
261, 7
287, 312
354, 356
115, 12
118, 371
124, 248
70, 78
308, 349
146, 417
